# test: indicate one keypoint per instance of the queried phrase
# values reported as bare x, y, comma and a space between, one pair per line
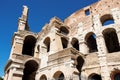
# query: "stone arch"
30, 69
29, 45
94, 76
64, 42
111, 40
43, 77
107, 19
75, 43
59, 75
91, 42
64, 30
47, 44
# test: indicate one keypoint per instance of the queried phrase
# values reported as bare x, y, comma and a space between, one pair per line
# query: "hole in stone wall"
107, 20
111, 40
75, 43
30, 69
64, 42
94, 77
80, 62
64, 30
91, 42
47, 44
87, 12
28, 46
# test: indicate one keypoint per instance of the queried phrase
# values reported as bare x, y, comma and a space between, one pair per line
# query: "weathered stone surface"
80, 47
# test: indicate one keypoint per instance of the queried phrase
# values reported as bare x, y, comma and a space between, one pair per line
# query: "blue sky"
40, 12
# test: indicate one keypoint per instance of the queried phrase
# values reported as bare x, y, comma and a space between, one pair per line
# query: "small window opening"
87, 12
107, 20
75, 43
91, 43
64, 42
47, 44
64, 30
95, 77
28, 46
111, 40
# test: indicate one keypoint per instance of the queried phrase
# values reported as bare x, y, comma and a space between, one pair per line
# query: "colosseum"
86, 46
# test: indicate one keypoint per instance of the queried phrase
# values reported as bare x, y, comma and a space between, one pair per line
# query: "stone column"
83, 75
101, 44
10, 75
102, 52
6, 76
83, 47
17, 46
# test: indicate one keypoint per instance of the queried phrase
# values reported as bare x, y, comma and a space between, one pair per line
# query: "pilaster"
102, 51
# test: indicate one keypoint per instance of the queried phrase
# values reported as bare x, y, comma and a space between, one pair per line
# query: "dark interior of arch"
64, 30
30, 70
111, 41
47, 43
117, 76
28, 46
75, 44
80, 62
91, 43
58, 76
43, 77
61, 77
64, 42
107, 19
96, 77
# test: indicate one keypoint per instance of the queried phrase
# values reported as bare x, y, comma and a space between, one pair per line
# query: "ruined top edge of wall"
80, 12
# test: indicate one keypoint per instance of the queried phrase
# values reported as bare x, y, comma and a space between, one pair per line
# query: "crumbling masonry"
86, 46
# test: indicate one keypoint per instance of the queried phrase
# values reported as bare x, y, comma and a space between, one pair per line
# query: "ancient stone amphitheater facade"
86, 46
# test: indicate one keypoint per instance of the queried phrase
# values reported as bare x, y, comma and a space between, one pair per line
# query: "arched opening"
111, 40
95, 77
47, 44
43, 77
80, 63
64, 42
28, 46
59, 76
91, 42
107, 19
30, 69
64, 30
75, 43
